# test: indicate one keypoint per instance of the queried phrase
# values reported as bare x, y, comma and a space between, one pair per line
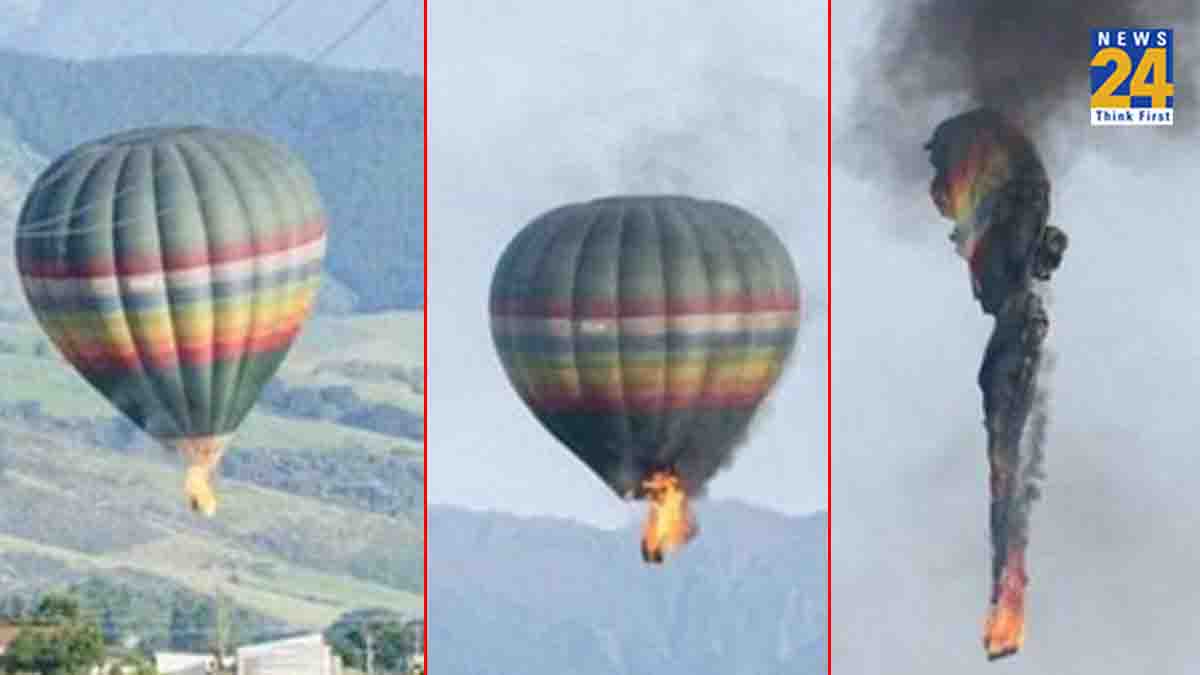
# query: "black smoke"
1026, 58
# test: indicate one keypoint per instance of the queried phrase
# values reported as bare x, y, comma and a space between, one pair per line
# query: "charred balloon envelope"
643, 332
991, 182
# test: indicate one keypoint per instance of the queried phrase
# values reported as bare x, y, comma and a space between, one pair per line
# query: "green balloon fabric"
173, 267
644, 331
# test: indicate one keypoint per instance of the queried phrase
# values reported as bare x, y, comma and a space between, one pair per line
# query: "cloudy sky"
543, 103
301, 28
1112, 557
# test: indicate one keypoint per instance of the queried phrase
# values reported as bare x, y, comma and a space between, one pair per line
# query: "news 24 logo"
1133, 77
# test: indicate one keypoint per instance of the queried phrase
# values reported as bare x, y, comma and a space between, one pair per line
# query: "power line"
44, 227
262, 25
238, 45
361, 22
353, 30
255, 31
144, 8
320, 56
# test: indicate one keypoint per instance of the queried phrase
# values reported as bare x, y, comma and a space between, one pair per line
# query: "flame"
669, 524
983, 157
1004, 630
977, 162
203, 454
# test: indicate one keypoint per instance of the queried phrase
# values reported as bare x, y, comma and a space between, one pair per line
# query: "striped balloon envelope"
644, 331
173, 267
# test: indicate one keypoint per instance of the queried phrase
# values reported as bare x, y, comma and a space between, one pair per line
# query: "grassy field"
389, 339
101, 511
329, 344
282, 555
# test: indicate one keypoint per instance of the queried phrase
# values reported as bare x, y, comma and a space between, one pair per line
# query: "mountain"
91, 29
361, 133
19, 167
539, 596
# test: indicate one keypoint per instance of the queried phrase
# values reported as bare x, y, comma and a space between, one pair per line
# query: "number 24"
1154, 59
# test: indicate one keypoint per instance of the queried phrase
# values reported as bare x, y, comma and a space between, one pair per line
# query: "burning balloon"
991, 182
643, 332
173, 267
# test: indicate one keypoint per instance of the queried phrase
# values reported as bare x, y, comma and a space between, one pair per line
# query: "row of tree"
341, 404
56, 638
377, 641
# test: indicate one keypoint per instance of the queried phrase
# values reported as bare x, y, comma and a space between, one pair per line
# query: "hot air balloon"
173, 267
643, 332
990, 180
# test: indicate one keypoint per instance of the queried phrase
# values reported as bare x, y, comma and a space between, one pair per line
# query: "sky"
1112, 558
302, 29
545, 103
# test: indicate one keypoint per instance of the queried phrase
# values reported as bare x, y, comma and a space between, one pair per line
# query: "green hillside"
314, 535
298, 544
360, 132
321, 493
295, 559
383, 342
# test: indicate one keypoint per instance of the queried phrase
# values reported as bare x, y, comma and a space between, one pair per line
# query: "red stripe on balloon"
102, 359
633, 308
747, 398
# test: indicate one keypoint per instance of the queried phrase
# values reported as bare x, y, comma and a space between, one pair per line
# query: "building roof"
8, 633
302, 642
170, 663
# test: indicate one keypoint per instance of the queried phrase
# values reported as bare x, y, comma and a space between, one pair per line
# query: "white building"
305, 655
181, 663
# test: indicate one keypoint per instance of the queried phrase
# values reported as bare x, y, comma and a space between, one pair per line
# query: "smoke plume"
1033, 471
1026, 58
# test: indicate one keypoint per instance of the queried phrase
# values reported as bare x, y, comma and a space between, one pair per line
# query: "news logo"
1133, 77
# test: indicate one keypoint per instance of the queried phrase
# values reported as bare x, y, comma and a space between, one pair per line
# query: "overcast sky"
302, 29
541, 103
1113, 553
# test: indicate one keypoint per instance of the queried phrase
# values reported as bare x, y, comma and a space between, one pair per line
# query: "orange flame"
983, 170
669, 525
1004, 631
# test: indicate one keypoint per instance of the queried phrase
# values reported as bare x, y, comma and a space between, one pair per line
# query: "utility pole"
369, 643
221, 629
414, 637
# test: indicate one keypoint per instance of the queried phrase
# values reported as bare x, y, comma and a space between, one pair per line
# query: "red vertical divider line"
828, 334
425, 327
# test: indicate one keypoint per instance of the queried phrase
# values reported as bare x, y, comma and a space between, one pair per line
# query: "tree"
30, 411
379, 636
67, 649
57, 608
134, 664
191, 624
223, 631
15, 607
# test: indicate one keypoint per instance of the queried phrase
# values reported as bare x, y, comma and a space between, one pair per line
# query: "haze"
108, 28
